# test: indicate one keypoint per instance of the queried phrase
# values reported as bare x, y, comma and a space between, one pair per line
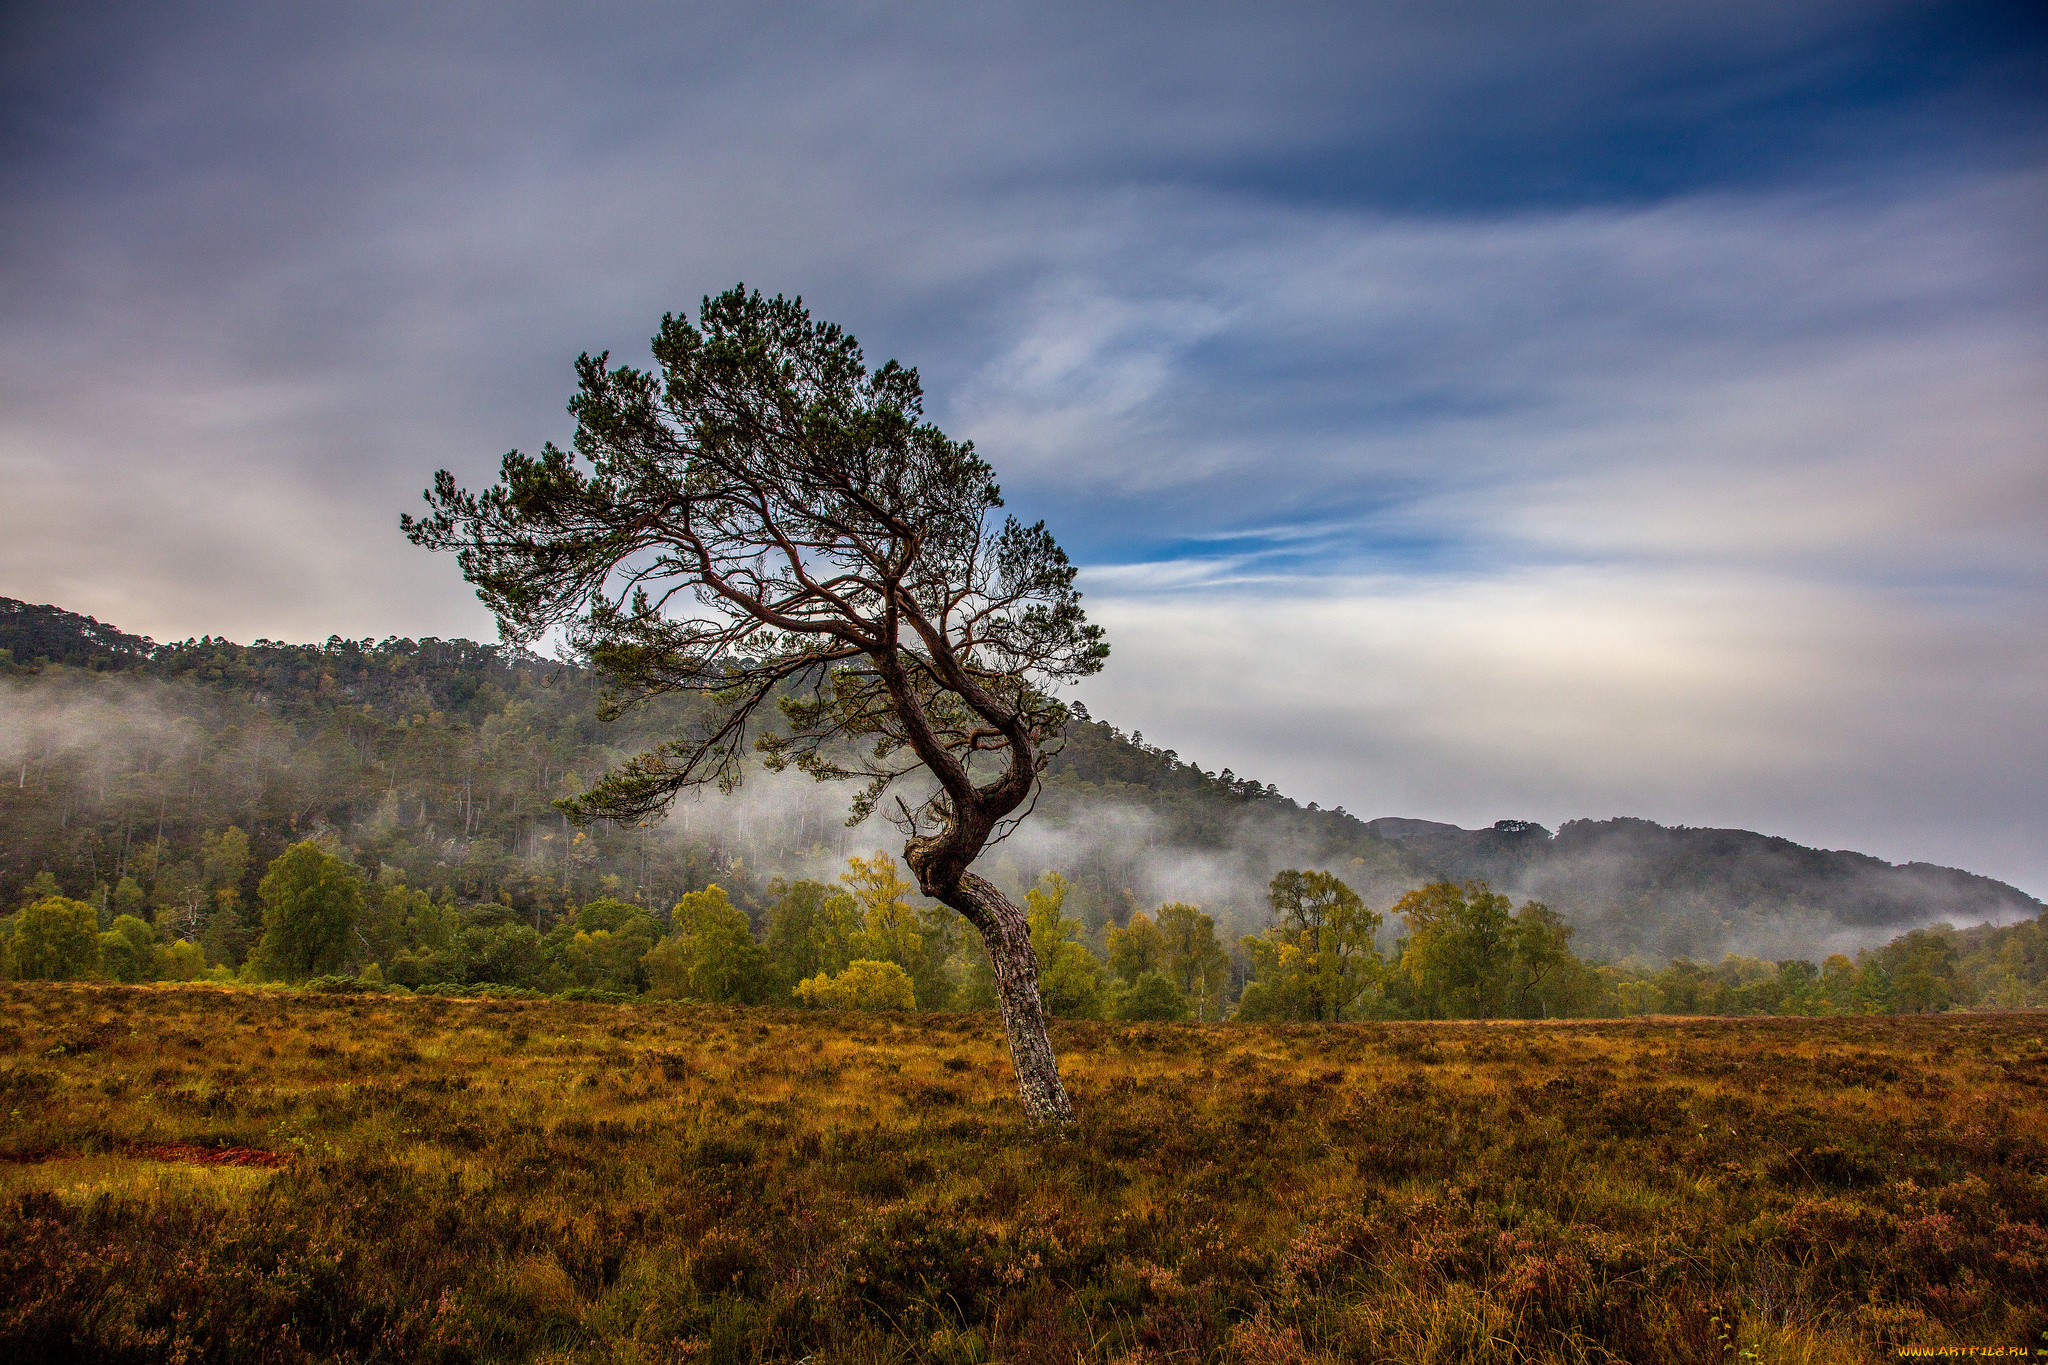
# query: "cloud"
1482, 378
1719, 512
1634, 410
1830, 716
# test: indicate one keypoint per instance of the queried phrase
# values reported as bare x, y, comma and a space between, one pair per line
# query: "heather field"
193, 1172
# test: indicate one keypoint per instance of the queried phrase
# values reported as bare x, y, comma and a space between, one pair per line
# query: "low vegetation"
234, 1173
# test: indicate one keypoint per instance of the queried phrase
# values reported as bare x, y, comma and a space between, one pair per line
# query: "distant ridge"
31, 633
1637, 886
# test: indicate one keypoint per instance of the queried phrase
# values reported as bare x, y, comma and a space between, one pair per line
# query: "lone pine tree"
767, 521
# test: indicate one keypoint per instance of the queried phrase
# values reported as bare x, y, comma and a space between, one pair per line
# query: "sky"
1463, 412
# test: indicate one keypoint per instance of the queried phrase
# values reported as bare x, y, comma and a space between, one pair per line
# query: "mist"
103, 764
112, 728
1612, 881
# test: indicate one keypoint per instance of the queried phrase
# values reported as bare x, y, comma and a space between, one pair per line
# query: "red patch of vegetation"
182, 1153
195, 1155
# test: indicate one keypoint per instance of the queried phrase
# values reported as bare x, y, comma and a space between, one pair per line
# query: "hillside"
439, 759
36, 635
1630, 887
1636, 887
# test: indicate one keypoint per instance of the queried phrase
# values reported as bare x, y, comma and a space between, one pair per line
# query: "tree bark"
1006, 931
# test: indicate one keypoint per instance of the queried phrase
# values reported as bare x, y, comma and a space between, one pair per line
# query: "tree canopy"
55, 939
767, 520
1319, 958
310, 903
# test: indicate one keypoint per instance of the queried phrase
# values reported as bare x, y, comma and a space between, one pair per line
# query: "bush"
425, 968
341, 985
1151, 998
56, 939
864, 985
485, 990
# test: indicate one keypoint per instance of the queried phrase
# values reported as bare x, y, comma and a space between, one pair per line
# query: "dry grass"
544, 1180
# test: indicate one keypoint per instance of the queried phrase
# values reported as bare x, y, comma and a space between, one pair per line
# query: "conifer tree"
767, 521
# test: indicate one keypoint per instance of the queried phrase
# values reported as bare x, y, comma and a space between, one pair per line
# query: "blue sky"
1487, 411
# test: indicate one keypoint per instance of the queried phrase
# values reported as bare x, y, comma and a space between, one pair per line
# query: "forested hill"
44, 635
1634, 886
1629, 886
438, 759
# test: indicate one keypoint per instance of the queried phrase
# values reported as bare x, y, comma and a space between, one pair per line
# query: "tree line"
1458, 951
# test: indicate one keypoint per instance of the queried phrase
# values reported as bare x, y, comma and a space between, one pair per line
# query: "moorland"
236, 1173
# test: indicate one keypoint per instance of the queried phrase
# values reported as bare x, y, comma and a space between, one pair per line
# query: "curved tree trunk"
1006, 931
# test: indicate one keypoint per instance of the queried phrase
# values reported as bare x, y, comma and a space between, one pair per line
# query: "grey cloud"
266, 270
1831, 716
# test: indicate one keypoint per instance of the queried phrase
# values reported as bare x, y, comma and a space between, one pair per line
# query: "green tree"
505, 954
310, 903
612, 914
224, 858
1150, 998
1193, 961
602, 947
1544, 978
605, 960
179, 898
711, 955
1798, 988
55, 939
1842, 983
129, 898
397, 918
1073, 983
891, 930
1319, 959
1136, 948
1684, 987
1460, 947
838, 560
1921, 971
180, 960
887, 927
128, 951
800, 938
